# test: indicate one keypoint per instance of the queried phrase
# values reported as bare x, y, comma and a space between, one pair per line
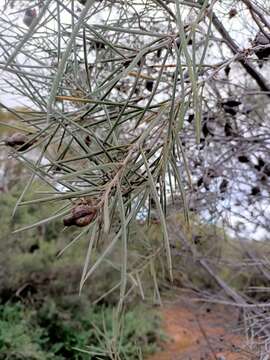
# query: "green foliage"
28, 260
30, 257
42, 316
54, 333
18, 338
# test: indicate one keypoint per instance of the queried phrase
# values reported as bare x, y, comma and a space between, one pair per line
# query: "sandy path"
201, 332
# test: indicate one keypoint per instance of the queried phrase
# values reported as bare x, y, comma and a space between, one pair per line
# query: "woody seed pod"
69, 220
16, 139
19, 141
81, 215
85, 220
80, 211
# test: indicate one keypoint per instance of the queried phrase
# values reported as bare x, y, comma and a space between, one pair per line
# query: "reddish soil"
201, 332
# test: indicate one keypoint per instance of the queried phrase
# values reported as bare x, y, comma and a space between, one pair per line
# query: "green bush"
50, 332
30, 257
18, 338
42, 316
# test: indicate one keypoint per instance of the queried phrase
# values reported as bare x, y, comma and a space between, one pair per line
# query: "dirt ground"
199, 331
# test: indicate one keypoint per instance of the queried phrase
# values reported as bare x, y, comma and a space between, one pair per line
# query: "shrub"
77, 333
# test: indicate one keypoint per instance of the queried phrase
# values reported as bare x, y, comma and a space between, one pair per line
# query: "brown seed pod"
69, 220
18, 140
232, 13
80, 211
85, 220
81, 215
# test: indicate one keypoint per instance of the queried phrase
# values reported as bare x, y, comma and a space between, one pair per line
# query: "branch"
260, 80
257, 11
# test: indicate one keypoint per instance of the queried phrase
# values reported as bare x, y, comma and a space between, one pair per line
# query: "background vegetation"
42, 315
